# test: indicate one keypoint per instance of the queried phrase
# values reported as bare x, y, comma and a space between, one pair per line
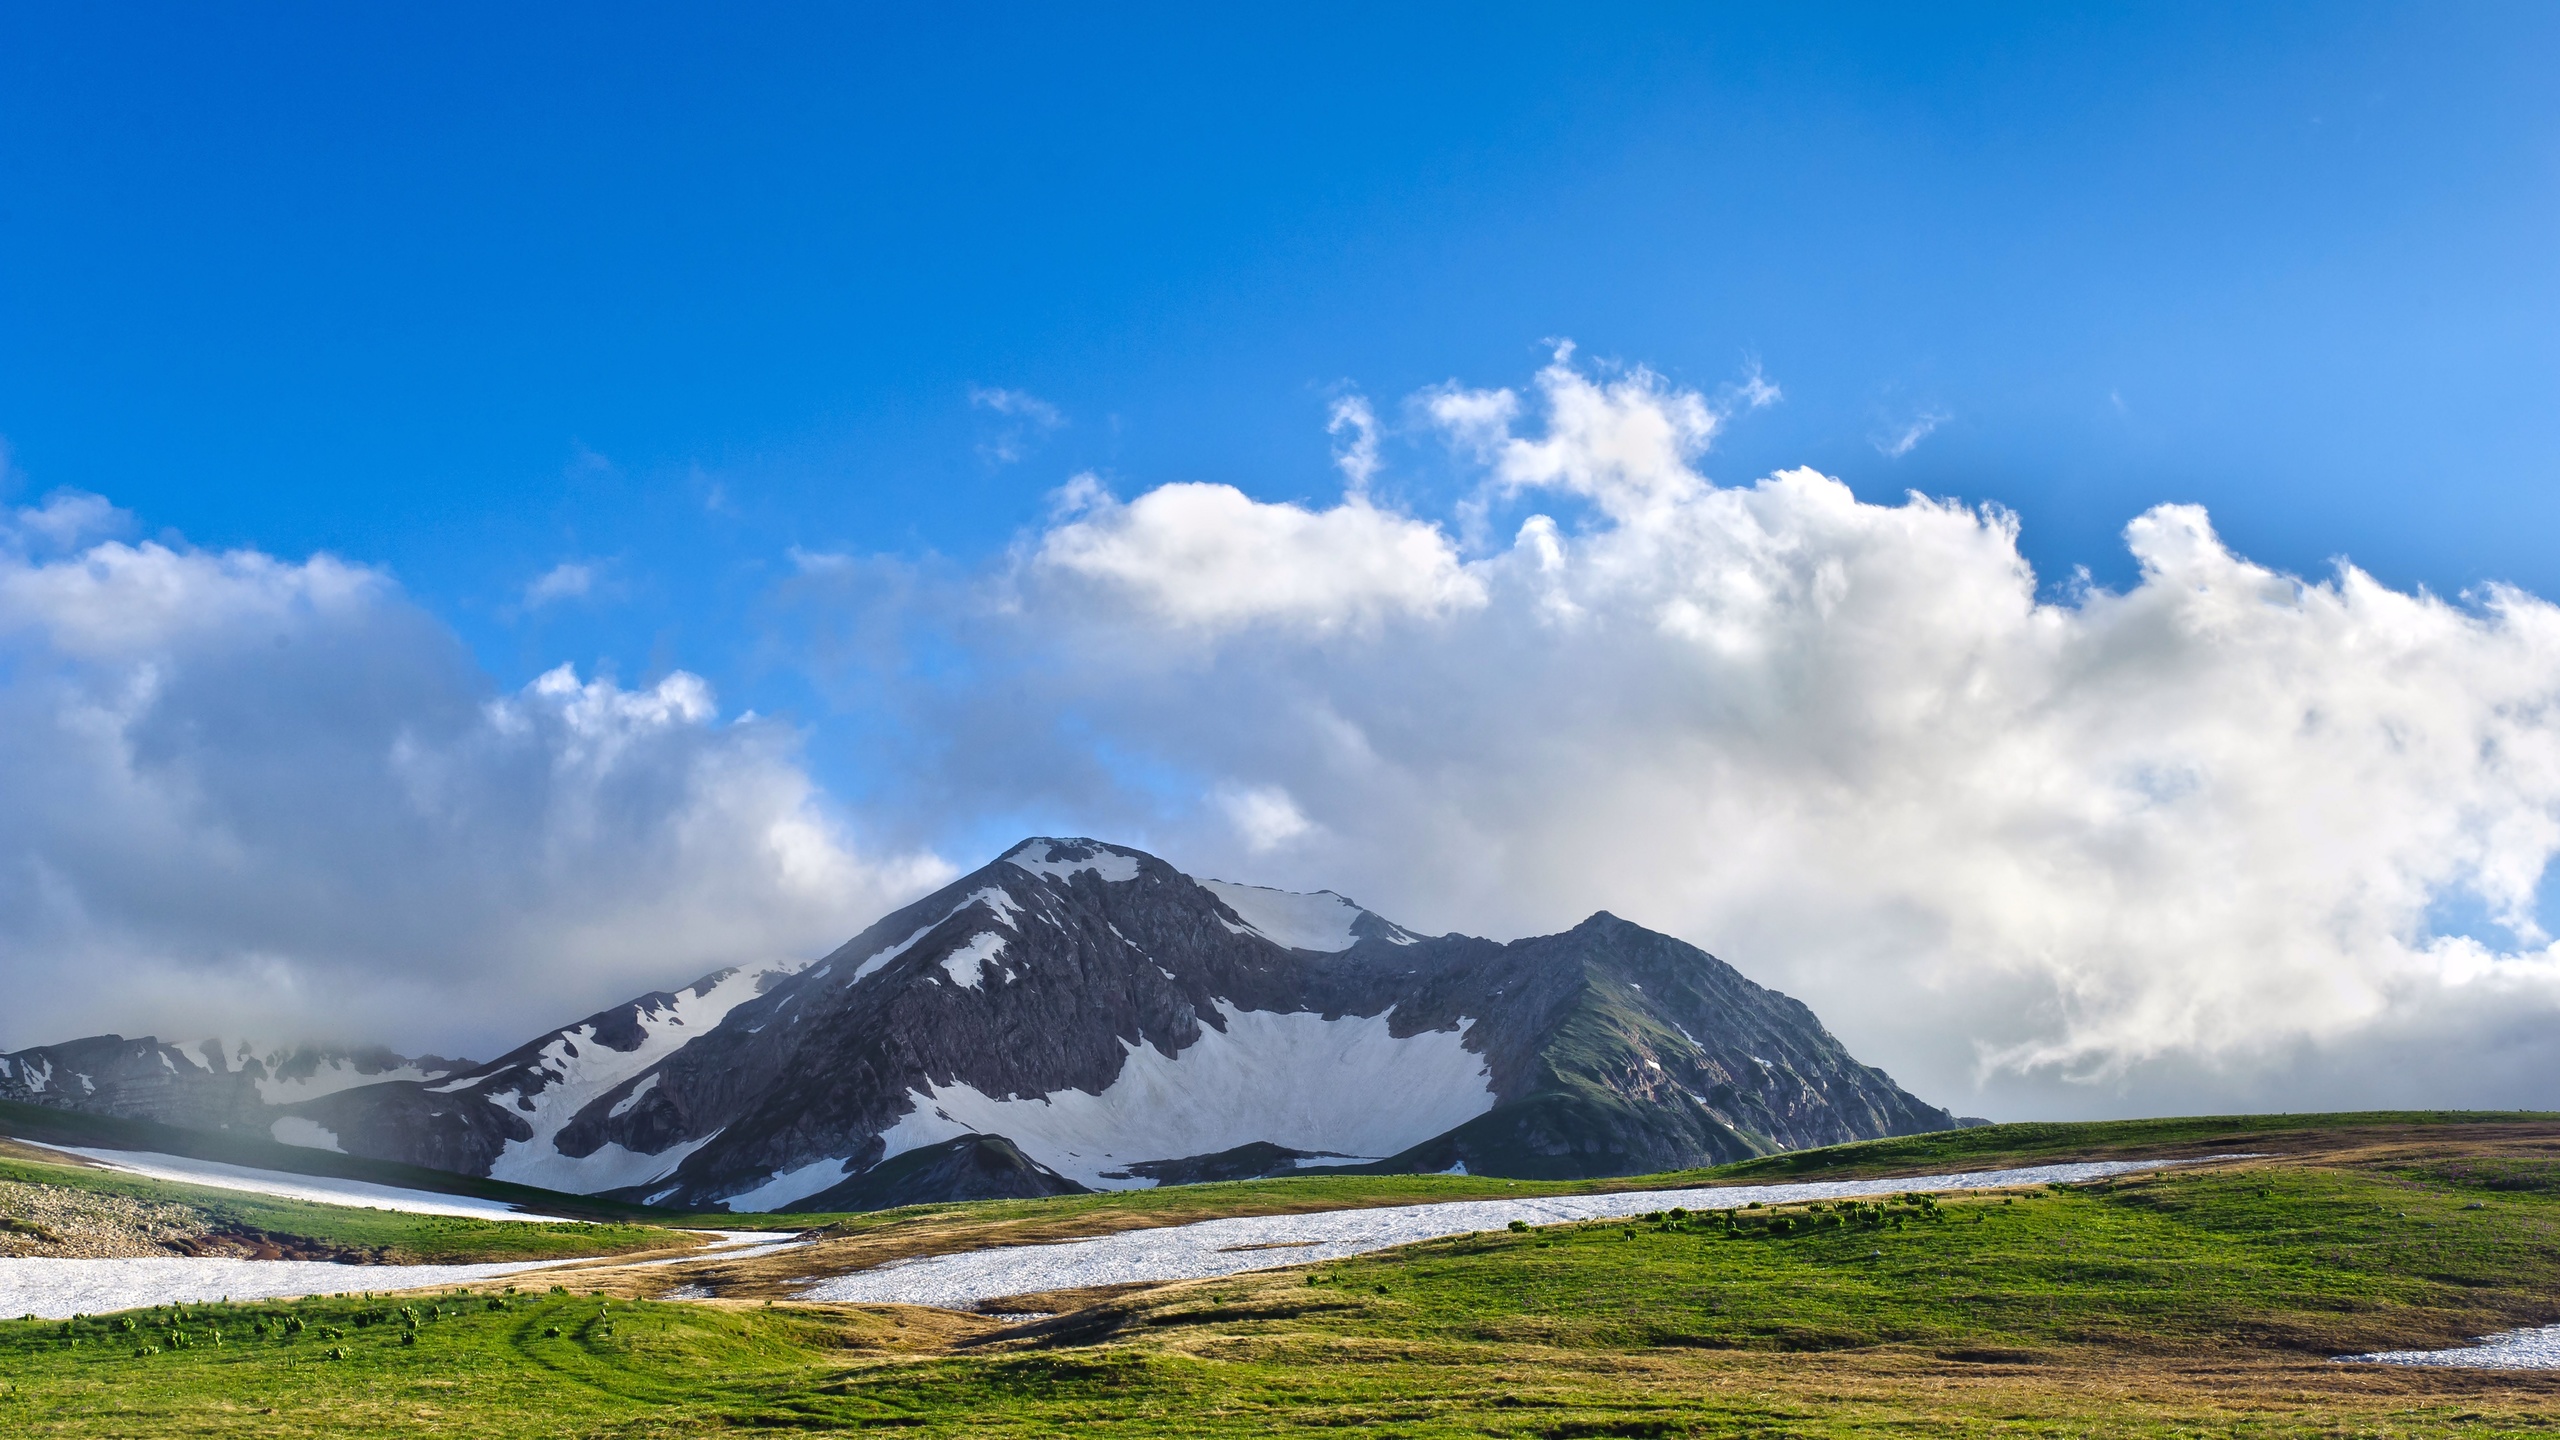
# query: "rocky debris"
71, 1223
64, 1222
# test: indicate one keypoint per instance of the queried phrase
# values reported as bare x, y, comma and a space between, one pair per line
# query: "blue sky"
672, 297
467, 293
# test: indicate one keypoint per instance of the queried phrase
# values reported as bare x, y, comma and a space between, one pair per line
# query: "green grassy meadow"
2201, 1301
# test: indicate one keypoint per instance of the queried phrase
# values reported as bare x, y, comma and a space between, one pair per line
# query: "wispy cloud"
1754, 391
1901, 439
568, 580
1354, 427
1023, 420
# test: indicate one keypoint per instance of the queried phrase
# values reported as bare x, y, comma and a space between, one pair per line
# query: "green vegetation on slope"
2041, 1142
2192, 1300
225, 1221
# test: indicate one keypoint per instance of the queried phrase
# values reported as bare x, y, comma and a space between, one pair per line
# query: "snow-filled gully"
1257, 1242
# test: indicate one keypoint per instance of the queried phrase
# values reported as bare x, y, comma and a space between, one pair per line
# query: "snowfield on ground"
1321, 921
1259, 1242
319, 1189
2536, 1349
60, 1289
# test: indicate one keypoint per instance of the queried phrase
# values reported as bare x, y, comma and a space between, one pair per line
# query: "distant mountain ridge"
1082, 1015
210, 1085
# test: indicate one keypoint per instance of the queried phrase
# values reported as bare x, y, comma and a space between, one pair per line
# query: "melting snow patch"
310, 1134
319, 1189
1295, 1079
1321, 921
581, 1069
873, 965
967, 964
331, 1078
1255, 1242
788, 1186
623, 1106
2536, 1349
59, 1289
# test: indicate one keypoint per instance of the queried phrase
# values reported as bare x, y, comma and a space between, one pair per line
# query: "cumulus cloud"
2181, 843
1207, 559
242, 792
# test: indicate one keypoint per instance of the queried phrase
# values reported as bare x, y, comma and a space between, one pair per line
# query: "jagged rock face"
209, 1085
1084, 1015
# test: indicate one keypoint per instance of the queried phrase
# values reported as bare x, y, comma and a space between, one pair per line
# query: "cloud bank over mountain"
2227, 837
2196, 842
241, 793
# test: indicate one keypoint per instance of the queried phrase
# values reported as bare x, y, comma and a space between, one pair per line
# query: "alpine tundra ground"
2208, 1299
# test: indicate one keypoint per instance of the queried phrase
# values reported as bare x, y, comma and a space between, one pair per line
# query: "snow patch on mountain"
609, 1167
877, 962
576, 1070
624, 1105
995, 899
1295, 1079
1035, 856
330, 1078
789, 1186
310, 1134
1321, 921
967, 964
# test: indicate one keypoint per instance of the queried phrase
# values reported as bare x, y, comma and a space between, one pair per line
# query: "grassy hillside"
193, 1219
2204, 1300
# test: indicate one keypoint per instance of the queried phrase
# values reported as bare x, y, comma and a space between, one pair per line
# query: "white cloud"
1208, 559
65, 519
1901, 439
1025, 418
1356, 457
1264, 816
2183, 839
1755, 391
568, 580
237, 789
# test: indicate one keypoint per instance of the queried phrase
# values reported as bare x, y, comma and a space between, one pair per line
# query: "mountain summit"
1082, 1015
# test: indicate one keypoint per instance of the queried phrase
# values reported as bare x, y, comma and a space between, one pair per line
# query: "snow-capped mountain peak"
1079, 1014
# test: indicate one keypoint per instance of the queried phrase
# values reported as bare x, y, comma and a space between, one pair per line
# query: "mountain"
1080, 1015
209, 1085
